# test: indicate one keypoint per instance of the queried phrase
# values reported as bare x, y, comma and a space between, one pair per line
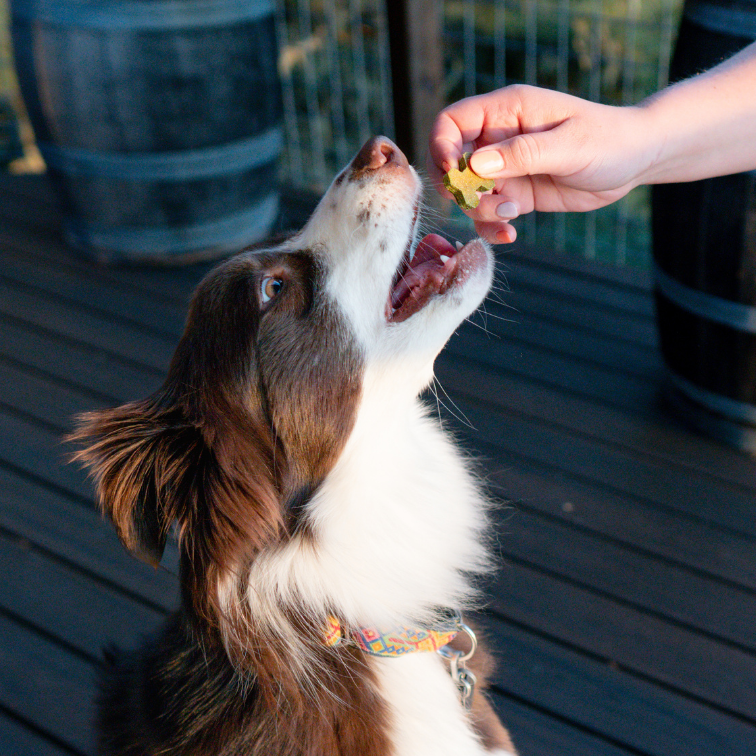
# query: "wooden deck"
624, 611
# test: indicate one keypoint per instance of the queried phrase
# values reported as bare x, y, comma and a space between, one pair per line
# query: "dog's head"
280, 346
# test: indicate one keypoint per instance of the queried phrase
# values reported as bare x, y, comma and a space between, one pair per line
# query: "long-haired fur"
288, 418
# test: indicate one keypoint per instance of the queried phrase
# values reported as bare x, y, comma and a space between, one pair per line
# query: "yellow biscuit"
463, 184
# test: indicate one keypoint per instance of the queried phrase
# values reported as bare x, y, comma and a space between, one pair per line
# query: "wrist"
644, 143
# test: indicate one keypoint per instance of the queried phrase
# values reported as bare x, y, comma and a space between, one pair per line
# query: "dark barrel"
10, 140
159, 120
704, 243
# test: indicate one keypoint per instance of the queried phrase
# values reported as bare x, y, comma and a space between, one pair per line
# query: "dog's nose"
378, 152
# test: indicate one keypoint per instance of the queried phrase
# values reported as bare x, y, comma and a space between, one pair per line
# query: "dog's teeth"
443, 258
459, 245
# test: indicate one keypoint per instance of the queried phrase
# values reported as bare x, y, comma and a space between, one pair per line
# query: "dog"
329, 529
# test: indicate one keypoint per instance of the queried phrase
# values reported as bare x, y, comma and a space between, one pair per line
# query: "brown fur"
175, 696
232, 461
258, 403
486, 722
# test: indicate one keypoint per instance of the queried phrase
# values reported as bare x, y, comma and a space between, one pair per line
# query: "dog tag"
463, 678
466, 686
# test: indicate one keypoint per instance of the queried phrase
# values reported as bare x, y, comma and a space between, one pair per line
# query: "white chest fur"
396, 525
396, 531
427, 718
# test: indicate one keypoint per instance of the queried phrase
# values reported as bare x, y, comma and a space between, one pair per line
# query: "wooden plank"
101, 289
47, 686
75, 363
134, 344
170, 284
528, 301
29, 206
109, 290
45, 400
77, 534
69, 604
638, 641
561, 371
537, 734
647, 430
580, 346
26, 446
167, 285
622, 471
17, 211
722, 610
608, 701
36, 187
19, 740
606, 274
32, 231
82, 288
567, 286
648, 529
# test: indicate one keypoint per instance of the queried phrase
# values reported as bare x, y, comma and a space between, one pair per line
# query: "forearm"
704, 126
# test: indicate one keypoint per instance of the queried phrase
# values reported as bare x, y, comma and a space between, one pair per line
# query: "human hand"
546, 150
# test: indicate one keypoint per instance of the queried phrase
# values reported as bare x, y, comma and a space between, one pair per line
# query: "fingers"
446, 143
497, 233
493, 218
503, 204
530, 154
494, 211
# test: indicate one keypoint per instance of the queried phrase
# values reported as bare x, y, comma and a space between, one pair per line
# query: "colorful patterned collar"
395, 641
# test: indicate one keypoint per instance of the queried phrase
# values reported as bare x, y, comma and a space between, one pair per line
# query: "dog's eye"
270, 287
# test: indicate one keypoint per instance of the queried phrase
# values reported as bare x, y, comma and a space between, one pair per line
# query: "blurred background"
625, 615
335, 62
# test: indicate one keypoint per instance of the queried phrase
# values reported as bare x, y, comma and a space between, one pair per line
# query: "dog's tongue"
428, 262
431, 248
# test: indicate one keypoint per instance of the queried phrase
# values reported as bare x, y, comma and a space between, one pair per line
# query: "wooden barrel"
704, 242
160, 121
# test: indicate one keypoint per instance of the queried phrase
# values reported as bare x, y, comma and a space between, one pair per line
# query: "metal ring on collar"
460, 656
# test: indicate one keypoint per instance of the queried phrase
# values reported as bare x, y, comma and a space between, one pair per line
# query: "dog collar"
395, 641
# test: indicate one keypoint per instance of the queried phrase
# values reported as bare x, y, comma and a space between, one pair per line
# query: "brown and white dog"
307, 484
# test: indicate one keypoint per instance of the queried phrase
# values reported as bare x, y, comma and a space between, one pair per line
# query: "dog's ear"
139, 457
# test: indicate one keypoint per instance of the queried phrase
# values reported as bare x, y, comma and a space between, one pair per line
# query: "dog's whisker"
435, 394
499, 317
482, 328
457, 412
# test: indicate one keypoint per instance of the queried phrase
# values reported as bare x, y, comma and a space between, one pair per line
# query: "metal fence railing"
612, 51
335, 71
335, 66
336, 77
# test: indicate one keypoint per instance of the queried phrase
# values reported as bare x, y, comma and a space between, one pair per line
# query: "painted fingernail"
486, 162
507, 210
507, 236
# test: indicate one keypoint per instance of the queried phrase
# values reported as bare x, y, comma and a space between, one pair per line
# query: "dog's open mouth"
434, 268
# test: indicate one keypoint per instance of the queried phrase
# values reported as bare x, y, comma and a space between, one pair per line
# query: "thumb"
521, 155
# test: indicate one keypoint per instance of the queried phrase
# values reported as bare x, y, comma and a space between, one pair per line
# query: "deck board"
624, 609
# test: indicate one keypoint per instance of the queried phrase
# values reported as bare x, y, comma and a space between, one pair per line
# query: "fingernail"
507, 210
506, 237
486, 162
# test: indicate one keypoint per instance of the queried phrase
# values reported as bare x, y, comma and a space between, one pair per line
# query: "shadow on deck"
624, 612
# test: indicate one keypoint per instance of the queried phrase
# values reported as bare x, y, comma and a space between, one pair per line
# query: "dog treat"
463, 184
